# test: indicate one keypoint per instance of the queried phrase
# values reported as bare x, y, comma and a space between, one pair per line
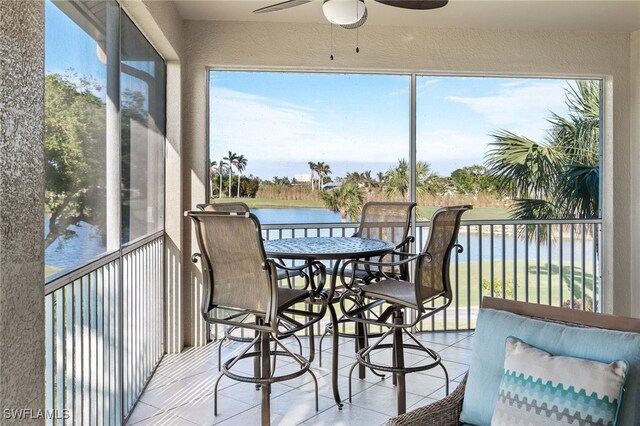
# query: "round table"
328, 248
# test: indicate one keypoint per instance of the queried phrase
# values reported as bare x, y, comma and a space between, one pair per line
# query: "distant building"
303, 178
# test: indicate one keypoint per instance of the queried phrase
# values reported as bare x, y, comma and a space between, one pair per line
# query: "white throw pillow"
540, 389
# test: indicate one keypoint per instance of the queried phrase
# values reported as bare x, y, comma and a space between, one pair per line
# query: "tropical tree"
346, 200
231, 159
241, 165
397, 178
313, 167
560, 176
323, 170
473, 180
222, 166
367, 180
74, 154
213, 170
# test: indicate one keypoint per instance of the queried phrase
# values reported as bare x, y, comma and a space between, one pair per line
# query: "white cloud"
265, 129
449, 145
521, 107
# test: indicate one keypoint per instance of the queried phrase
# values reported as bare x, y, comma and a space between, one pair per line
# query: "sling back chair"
387, 221
427, 294
240, 207
240, 282
231, 207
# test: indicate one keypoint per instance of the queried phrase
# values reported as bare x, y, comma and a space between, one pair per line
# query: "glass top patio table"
328, 248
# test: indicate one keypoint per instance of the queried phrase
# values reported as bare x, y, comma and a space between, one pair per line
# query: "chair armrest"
317, 268
374, 268
445, 412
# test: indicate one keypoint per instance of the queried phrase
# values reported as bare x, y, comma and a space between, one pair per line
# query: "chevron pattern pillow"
540, 389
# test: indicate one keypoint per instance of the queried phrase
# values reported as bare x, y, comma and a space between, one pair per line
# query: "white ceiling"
528, 15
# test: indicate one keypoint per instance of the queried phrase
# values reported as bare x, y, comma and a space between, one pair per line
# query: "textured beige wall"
634, 300
161, 24
21, 208
448, 51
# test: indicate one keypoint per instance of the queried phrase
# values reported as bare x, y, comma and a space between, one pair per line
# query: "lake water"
275, 216
88, 244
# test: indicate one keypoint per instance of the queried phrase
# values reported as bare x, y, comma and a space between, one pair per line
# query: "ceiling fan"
353, 13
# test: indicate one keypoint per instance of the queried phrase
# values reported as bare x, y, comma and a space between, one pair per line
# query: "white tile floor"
181, 391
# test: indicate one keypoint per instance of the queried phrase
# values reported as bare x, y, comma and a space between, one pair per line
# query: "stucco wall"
635, 173
21, 209
448, 51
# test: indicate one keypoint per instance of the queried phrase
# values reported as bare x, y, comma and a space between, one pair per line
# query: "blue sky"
357, 122
62, 55
353, 122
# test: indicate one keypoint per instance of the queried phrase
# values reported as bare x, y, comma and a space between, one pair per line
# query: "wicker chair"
447, 411
240, 282
429, 293
387, 221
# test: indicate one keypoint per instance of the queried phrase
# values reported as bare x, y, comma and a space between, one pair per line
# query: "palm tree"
346, 200
231, 159
323, 170
221, 168
560, 177
397, 178
212, 170
313, 167
241, 165
368, 180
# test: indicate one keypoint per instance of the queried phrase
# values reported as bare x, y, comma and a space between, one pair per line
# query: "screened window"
75, 133
93, 129
521, 148
284, 139
142, 111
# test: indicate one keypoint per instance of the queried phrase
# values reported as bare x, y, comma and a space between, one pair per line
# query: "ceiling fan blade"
415, 4
281, 6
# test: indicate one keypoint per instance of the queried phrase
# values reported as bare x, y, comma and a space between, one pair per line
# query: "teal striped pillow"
540, 389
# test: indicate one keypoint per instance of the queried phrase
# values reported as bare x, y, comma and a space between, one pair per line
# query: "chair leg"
326, 331
398, 357
360, 342
265, 374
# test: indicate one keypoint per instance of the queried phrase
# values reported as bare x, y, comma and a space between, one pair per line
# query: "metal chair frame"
283, 273
371, 271
392, 316
270, 325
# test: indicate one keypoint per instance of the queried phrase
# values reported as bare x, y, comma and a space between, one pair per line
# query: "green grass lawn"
477, 213
527, 286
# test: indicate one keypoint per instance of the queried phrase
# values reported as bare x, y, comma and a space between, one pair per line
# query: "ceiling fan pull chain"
357, 29
331, 26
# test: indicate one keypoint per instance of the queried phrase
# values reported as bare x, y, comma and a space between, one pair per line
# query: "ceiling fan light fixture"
344, 12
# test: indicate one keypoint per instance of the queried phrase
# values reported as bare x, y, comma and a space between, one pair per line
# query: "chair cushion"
538, 388
492, 329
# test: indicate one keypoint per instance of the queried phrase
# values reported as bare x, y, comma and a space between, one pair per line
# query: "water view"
66, 254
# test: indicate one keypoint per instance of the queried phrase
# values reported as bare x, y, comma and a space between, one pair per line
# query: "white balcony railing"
104, 322
104, 335
549, 262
